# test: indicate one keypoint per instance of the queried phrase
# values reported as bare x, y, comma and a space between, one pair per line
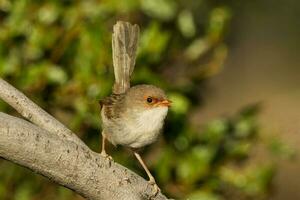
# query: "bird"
131, 116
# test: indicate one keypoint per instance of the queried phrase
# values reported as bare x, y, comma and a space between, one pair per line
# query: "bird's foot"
156, 189
106, 156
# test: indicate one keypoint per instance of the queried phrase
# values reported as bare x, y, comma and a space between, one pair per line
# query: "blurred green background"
230, 67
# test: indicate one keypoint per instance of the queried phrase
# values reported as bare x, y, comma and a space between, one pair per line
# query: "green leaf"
180, 104
203, 195
195, 164
161, 9
186, 23
153, 42
56, 75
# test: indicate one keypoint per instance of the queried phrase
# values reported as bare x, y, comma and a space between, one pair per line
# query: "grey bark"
69, 164
34, 113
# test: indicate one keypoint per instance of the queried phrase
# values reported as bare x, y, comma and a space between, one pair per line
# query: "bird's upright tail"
124, 44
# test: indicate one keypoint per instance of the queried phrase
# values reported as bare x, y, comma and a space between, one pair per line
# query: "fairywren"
132, 117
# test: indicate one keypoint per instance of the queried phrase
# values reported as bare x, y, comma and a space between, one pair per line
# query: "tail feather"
124, 42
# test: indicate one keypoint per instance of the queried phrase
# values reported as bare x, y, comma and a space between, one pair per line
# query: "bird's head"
145, 97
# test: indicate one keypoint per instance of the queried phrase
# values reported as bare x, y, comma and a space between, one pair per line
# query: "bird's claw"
155, 186
106, 156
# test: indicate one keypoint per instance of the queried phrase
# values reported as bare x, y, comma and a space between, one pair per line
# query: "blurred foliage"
59, 53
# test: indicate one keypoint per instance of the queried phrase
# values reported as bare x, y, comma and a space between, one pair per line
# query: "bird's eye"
149, 100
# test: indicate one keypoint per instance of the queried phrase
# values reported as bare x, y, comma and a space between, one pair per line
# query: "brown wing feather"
112, 105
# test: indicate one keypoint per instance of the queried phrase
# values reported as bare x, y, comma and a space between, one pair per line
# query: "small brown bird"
132, 117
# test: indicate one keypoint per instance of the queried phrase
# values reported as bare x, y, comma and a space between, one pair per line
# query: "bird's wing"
124, 42
112, 105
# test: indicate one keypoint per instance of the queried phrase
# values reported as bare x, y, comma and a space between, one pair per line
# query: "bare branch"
34, 113
68, 164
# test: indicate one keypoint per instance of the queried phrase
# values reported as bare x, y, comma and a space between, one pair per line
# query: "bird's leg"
151, 178
103, 152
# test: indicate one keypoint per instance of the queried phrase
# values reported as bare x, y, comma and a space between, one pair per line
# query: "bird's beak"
165, 102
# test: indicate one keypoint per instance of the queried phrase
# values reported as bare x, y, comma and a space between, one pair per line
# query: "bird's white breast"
145, 128
150, 120
137, 131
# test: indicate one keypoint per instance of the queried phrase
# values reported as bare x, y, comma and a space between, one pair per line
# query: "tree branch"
35, 114
69, 164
